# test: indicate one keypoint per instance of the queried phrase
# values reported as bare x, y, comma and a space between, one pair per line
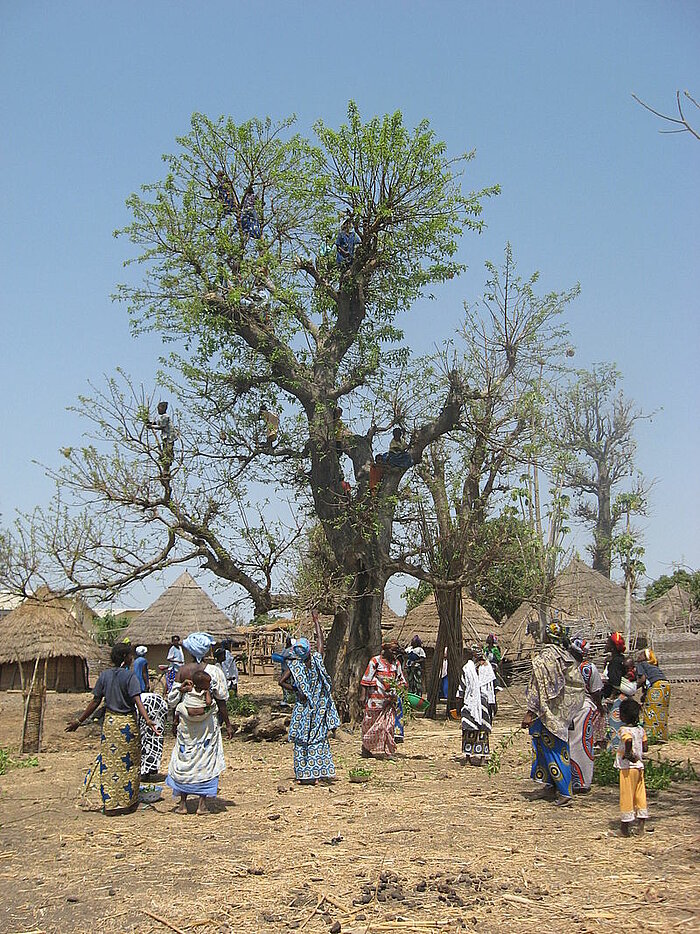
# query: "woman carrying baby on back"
197, 759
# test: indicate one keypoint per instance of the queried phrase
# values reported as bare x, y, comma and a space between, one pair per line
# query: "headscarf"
651, 657
618, 640
141, 650
416, 641
301, 649
580, 646
198, 644
555, 634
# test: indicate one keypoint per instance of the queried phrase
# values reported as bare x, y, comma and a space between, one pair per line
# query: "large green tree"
273, 322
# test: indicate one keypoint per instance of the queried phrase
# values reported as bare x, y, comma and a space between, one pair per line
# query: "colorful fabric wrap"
550, 760
206, 789
119, 762
655, 710
618, 640
555, 692
378, 731
313, 720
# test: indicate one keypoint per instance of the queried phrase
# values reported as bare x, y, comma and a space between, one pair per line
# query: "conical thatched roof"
585, 601
423, 621
182, 609
43, 628
673, 610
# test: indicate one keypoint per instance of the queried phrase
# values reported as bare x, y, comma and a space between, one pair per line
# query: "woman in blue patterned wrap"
314, 715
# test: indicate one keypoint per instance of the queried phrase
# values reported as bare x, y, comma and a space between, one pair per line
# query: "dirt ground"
427, 845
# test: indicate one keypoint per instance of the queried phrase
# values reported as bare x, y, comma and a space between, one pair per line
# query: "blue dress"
313, 720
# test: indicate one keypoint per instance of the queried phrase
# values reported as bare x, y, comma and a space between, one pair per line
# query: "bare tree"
681, 122
596, 427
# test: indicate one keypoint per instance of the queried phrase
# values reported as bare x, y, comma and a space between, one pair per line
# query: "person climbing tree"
250, 222
272, 424
345, 243
225, 193
164, 425
398, 454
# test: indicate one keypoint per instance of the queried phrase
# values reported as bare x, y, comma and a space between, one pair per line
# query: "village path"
426, 845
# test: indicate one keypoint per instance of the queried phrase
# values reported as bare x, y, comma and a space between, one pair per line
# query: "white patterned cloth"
151, 743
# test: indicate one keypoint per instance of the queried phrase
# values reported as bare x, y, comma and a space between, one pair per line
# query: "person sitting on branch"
345, 243
398, 454
225, 193
250, 222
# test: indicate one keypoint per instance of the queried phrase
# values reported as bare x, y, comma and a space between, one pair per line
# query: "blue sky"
93, 93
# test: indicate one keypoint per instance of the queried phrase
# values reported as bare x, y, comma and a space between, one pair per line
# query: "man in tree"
345, 243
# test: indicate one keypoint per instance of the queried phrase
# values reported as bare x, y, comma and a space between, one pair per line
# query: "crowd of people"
572, 711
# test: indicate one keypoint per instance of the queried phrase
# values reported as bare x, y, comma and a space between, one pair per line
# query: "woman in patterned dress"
378, 689
588, 726
656, 696
554, 697
152, 742
476, 718
120, 748
314, 715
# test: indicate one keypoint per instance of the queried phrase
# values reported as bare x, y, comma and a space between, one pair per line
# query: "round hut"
44, 629
585, 601
42, 647
183, 608
423, 621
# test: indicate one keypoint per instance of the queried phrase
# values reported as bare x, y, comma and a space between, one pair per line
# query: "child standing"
628, 759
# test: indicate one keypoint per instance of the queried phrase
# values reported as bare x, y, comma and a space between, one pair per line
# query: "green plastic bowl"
417, 702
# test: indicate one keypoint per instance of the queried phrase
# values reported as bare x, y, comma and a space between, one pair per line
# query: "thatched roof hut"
585, 601
45, 629
183, 608
423, 621
673, 611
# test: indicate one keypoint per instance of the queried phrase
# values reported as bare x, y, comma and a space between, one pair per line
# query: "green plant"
493, 766
8, 762
686, 734
360, 771
658, 773
241, 705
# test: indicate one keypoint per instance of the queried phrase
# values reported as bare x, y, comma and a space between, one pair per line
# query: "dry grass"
426, 845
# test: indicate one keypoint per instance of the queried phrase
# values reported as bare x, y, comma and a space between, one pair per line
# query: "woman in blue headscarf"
314, 715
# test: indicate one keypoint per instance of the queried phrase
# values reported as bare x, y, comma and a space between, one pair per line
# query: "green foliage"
241, 705
109, 627
686, 734
318, 580
493, 766
360, 772
507, 553
8, 762
658, 773
687, 580
414, 596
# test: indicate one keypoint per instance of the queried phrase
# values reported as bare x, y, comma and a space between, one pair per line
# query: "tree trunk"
449, 607
602, 547
355, 636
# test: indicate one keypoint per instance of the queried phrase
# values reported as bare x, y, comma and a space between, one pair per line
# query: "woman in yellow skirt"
657, 695
119, 761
